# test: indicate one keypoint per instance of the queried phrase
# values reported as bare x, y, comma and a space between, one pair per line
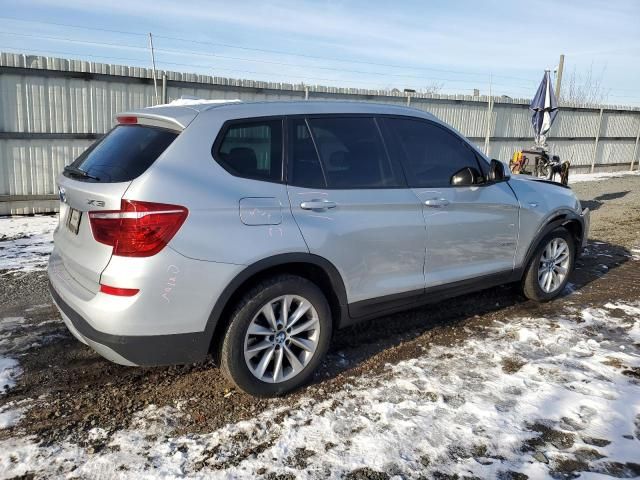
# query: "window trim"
392, 136
228, 124
396, 165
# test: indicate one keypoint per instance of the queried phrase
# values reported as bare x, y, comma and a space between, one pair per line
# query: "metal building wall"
51, 109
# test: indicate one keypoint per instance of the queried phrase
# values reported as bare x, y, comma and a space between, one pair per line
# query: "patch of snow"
26, 241
10, 415
528, 389
594, 177
9, 371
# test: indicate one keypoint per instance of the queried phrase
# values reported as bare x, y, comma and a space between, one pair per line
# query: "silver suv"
254, 231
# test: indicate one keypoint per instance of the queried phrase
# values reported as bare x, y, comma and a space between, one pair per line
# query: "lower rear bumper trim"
151, 350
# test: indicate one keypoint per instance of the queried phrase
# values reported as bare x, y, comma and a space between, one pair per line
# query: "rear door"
109, 165
354, 209
471, 230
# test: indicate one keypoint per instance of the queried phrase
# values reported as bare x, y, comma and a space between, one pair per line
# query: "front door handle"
436, 202
316, 204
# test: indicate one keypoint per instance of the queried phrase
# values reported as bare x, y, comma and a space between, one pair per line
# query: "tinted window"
306, 168
253, 150
430, 153
124, 153
352, 153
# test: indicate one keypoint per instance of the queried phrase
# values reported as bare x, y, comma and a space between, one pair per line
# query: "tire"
283, 343
534, 274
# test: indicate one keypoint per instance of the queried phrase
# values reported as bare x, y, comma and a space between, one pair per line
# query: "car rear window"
124, 153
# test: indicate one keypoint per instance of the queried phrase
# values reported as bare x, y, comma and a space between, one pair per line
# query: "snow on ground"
540, 396
26, 241
594, 177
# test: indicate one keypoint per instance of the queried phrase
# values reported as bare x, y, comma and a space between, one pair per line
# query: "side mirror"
465, 177
498, 171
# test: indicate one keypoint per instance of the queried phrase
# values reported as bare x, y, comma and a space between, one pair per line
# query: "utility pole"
559, 77
489, 110
153, 65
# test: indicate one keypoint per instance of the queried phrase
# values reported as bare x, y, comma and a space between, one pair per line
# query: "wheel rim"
554, 265
282, 338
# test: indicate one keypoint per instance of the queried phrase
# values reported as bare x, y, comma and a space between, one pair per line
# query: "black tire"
530, 285
232, 359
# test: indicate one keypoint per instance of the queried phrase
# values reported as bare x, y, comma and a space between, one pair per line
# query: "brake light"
138, 229
127, 120
120, 292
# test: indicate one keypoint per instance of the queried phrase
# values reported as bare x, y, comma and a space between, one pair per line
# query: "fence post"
595, 146
487, 136
635, 148
164, 88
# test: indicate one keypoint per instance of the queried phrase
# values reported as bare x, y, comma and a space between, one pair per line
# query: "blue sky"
456, 44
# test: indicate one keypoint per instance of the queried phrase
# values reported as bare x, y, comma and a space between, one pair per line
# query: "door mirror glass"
497, 171
465, 177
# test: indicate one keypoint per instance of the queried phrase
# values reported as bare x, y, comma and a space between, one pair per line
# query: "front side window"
430, 154
253, 149
351, 154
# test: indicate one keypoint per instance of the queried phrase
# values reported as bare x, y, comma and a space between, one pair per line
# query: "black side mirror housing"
465, 177
497, 171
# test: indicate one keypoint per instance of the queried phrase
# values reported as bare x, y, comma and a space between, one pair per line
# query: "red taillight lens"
120, 292
127, 120
138, 229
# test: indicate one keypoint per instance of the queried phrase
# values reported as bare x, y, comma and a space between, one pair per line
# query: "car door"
354, 209
472, 229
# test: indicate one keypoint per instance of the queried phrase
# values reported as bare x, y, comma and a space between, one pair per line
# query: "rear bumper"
134, 350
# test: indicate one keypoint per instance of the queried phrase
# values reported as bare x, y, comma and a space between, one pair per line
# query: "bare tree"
432, 88
585, 89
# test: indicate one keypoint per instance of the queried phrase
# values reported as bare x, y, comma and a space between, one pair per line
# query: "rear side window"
351, 153
124, 153
307, 171
252, 149
430, 154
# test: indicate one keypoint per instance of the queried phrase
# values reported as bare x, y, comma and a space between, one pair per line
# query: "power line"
252, 60
279, 52
84, 27
253, 72
269, 62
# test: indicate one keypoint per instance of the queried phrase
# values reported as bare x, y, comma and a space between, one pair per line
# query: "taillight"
138, 229
119, 292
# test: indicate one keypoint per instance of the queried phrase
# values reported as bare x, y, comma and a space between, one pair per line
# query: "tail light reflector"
138, 229
120, 292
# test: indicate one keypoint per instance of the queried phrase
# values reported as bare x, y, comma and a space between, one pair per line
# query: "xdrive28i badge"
62, 194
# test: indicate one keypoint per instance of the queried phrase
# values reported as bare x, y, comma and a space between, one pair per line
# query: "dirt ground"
74, 390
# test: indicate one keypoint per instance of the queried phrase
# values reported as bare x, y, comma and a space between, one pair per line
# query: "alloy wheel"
282, 338
554, 265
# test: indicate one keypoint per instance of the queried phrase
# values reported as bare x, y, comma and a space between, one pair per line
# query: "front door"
354, 209
471, 231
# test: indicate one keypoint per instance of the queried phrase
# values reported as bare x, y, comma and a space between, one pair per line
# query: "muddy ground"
72, 389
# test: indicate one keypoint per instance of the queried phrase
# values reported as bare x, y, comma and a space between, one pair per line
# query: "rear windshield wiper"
78, 172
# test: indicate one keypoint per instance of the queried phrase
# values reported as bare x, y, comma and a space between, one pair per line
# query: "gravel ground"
66, 391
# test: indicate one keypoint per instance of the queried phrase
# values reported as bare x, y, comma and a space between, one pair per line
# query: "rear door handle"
317, 204
436, 202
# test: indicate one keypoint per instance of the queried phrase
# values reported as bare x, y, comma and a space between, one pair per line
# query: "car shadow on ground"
354, 346
598, 201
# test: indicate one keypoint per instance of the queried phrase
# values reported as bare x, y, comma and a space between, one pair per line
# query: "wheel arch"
562, 218
313, 267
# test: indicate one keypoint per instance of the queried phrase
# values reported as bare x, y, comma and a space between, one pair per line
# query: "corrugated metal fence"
51, 109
